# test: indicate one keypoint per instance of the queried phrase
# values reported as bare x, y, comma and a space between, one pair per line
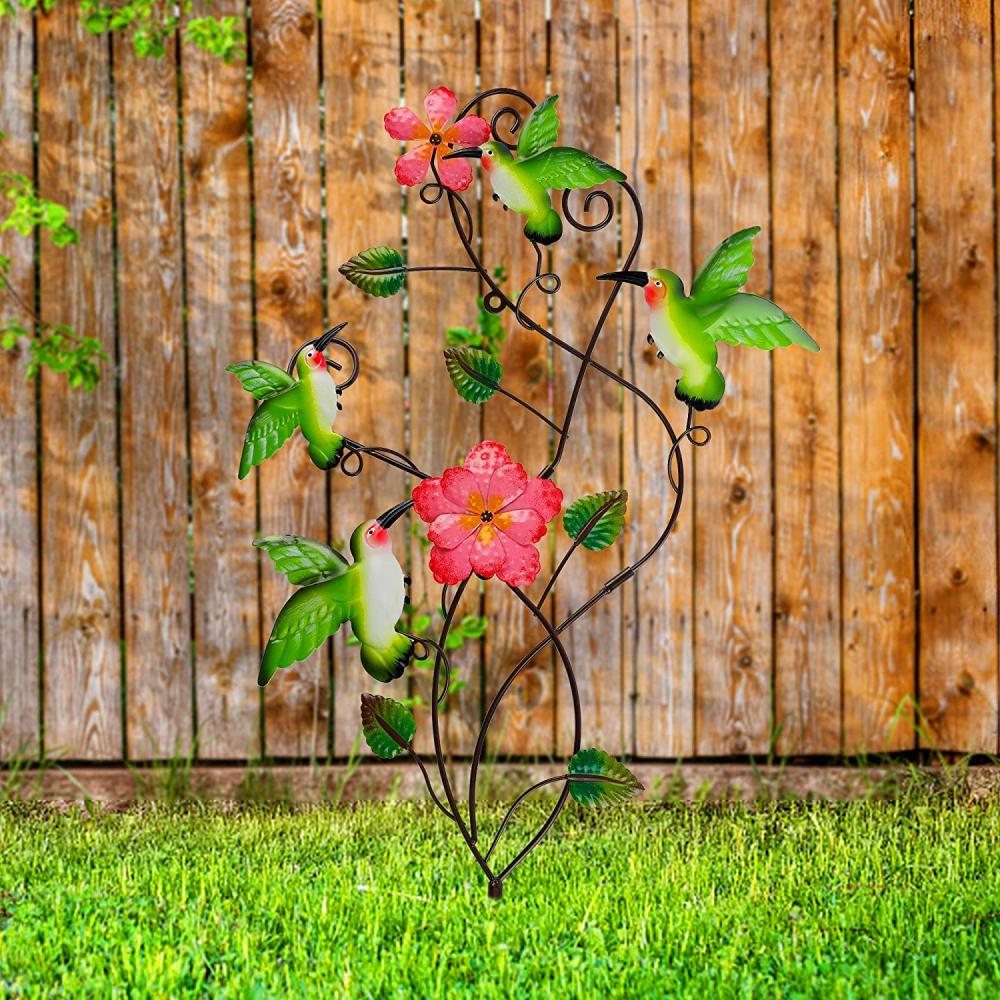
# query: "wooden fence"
833, 579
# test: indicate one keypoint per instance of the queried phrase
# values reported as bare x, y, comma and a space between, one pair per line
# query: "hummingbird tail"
544, 228
326, 454
702, 389
388, 662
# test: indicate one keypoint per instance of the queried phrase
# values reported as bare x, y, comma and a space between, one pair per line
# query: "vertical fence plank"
440, 50
20, 680
733, 474
806, 412
361, 77
289, 311
876, 373
513, 54
583, 74
957, 399
154, 485
79, 519
220, 331
656, 154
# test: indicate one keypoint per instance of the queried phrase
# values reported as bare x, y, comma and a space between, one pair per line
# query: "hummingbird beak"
324, 341
639, 278
393, 514
471, 152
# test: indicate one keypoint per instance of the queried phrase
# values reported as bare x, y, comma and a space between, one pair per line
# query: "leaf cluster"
150, 23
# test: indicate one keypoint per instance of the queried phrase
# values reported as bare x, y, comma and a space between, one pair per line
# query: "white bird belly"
325, 394
506, 188
383, 594
668, 340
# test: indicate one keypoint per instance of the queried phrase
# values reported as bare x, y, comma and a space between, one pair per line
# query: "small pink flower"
486, 517
440, 106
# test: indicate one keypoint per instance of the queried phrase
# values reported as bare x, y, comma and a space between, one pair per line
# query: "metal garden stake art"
487, 516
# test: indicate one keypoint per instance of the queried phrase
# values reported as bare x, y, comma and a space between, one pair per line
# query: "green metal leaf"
377, 271
611, 781
608, 525
380, 715
475, 374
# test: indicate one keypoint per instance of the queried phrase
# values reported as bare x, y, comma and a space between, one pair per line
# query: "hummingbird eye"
659, 284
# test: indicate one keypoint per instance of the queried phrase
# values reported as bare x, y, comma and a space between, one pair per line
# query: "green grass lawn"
874, 899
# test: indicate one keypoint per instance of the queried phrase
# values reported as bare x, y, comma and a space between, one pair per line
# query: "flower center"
435, 139
486, 516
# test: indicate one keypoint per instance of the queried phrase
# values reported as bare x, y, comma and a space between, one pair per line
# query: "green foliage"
58, 348
378, 716
30, 211
606, 528
377, 271
617, 783
53, 345
488, 333
223, 37
150, 23
474, 373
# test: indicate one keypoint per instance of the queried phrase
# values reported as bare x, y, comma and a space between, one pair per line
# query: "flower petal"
506, 484
463, 489
521, 565
522, 526
450, 530
452, 565
486, 457
488, 554
402, 123
541, 495
440, 104
456, 175
468, 131
411, 167
429, 502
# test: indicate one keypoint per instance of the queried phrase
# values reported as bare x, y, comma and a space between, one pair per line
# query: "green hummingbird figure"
368, 592
523, 183
310, 402
687, 328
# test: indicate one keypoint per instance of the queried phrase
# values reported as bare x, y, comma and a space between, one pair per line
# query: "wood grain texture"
583, 74
287, 195
220, 331
807, 674
79, 504
154, 486
360, 62
513, 54
732, 479
956, 356
876, 373
655, 124
20, 675
440, 50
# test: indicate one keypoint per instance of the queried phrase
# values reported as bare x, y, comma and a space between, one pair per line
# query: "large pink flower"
440, 106
486, 517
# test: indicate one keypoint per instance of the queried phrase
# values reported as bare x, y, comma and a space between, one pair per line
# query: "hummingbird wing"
541, 129
563, 168
303, 560
310, 616
260, 378
750, 321
270, 427
724, 273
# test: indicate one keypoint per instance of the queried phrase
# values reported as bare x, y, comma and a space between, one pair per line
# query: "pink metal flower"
486, 517
440, 106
